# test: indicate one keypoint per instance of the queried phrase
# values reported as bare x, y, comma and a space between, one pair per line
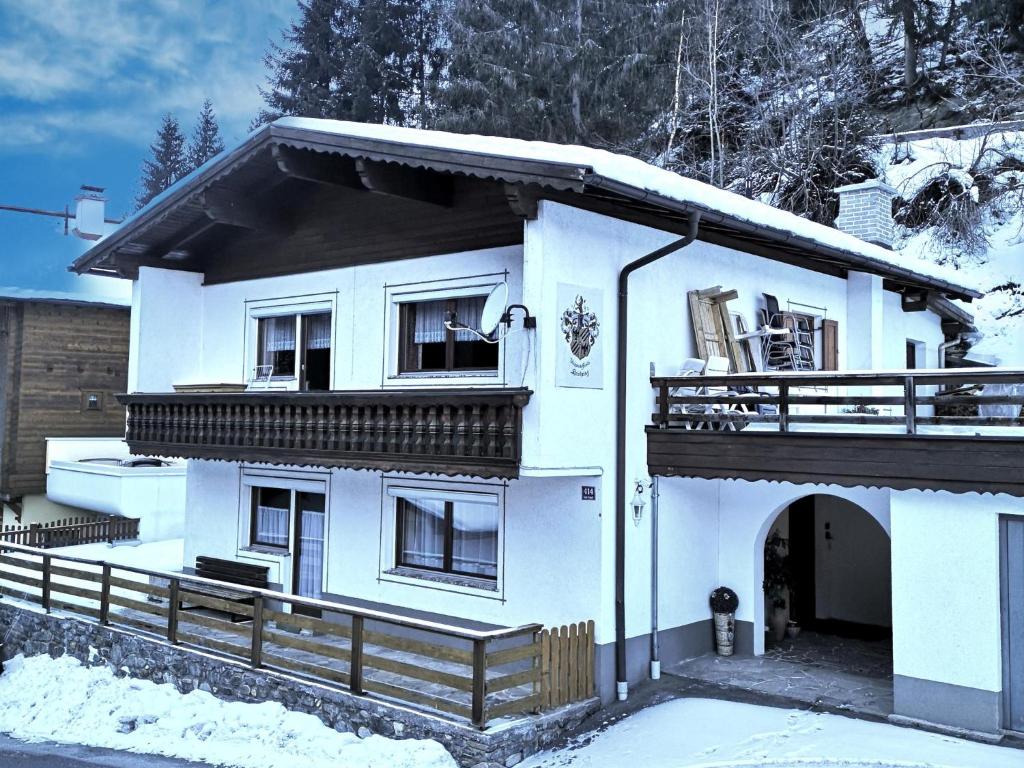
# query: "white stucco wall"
945, 580
549, 541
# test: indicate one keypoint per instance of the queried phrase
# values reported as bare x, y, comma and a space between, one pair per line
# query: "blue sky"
83, 86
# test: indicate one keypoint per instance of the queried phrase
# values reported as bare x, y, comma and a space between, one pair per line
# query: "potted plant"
724, 603
777, 579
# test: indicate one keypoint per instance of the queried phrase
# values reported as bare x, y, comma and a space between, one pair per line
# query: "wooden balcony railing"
954, 429
473, 432
457, 673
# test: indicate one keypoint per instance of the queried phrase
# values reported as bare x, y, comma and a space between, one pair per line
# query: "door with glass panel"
308, 559
292, 522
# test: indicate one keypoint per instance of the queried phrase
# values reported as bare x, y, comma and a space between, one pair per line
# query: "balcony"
956, 430
473, 432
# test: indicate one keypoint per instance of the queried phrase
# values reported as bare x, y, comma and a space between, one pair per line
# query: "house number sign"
589, 493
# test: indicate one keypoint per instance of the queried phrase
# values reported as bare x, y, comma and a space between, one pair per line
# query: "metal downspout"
655, 659
621, 685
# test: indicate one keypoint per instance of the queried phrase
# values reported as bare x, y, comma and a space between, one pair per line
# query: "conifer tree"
168, 161
305, 66
364, 60
206, 141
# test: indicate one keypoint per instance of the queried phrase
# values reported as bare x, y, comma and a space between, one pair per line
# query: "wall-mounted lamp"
638, 503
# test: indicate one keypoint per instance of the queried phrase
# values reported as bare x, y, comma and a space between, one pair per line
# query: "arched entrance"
825, 567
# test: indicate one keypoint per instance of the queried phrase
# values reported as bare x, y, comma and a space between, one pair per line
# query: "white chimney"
865, 211
90, 211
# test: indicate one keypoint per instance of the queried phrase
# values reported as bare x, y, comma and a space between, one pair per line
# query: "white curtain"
279, 334
430, 317
467, 312
422, 533
272, 526
318, 331
311, 553
475, 539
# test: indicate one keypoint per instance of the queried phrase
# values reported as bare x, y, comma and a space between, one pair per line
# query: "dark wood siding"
340, 227
950, 463
59, 352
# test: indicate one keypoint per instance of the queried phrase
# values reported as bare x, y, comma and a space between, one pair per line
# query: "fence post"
910, 404
783, 407
105, 595
355, 680
479, 715
256, 655
172, 612
46, 582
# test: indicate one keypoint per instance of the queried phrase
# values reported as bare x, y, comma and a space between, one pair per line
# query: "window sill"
264, 550
485, 585
476, 374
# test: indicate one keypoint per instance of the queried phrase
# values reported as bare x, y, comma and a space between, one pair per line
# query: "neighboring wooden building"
61, 363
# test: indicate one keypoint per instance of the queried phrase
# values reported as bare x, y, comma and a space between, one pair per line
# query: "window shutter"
829, 345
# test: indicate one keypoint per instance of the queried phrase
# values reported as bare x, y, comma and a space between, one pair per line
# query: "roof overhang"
568, 182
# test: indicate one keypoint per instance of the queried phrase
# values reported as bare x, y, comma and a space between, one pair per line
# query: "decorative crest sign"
580, 350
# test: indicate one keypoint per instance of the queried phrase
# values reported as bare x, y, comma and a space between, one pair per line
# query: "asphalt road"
19, 754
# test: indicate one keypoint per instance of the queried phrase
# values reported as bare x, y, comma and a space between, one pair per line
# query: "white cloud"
110, 67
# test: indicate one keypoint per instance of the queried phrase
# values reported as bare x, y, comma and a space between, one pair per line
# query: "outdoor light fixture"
638, 503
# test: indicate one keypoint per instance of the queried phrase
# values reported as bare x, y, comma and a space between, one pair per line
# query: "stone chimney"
865, 211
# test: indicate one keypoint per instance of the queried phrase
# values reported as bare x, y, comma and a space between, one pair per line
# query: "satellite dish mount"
496, 312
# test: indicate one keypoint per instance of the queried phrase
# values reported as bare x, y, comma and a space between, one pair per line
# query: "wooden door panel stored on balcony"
472, 432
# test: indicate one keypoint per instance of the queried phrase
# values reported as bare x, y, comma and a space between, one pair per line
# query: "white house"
305, 293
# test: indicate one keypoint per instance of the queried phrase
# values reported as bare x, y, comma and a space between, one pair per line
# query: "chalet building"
311, 330
63, 358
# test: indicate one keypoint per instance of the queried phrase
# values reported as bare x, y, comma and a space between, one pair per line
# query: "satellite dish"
494, 309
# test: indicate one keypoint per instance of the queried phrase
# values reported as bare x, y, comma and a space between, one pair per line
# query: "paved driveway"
18, 754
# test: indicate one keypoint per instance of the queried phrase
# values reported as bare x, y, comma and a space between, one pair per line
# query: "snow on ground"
705, 733
44, 699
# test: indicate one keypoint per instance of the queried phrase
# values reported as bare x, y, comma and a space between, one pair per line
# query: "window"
271, 510
285, 342
92, 401
451, 536
426, 345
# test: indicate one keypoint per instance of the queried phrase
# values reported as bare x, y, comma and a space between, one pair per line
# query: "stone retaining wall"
27, 630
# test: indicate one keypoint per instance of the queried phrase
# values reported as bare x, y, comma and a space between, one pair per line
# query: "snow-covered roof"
565, 167
68, 297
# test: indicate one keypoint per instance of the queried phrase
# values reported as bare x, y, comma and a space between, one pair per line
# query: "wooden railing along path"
467, 674
72, 531
719, 405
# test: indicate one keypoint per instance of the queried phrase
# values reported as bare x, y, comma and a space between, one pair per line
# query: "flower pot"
725, 631
792, 629
777, 621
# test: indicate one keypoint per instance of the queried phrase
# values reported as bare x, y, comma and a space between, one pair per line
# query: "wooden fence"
72, 531
567, 664
466, 674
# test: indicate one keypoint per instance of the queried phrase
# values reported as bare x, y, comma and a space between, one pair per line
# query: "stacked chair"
788, 344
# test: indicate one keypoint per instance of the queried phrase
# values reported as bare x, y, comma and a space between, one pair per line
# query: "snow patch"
44, 699
705, 733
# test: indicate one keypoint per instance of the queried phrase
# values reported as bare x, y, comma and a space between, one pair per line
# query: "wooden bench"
232, 571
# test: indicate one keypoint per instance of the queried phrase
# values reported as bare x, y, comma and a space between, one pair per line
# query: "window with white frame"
447, 532
296, 346
427, 344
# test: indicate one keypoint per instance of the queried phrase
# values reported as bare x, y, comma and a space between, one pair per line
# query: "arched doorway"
826, 568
